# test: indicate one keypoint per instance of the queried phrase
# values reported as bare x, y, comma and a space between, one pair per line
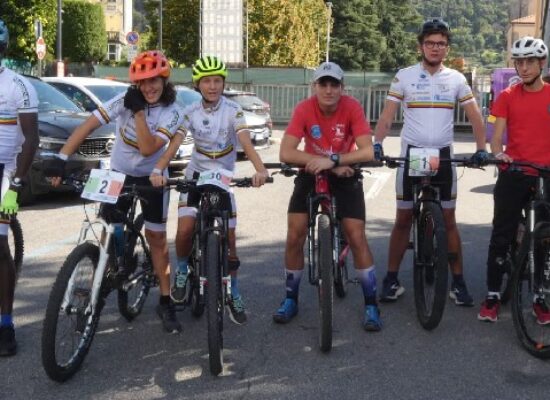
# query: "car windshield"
105, 93
187, 96
248, 101
51, 99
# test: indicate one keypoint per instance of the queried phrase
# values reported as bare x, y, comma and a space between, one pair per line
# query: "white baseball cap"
330, 69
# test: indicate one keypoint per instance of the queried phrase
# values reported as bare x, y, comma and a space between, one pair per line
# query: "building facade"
118, 22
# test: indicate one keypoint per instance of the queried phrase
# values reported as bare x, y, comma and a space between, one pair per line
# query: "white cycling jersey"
164, 122
215, 132
17, 96
428, 103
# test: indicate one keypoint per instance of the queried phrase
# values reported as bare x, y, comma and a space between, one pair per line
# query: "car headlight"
51, 144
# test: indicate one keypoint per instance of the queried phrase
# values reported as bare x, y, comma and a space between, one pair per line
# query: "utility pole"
329, 17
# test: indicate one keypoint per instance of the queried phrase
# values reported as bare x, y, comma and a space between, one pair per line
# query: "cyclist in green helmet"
216, 123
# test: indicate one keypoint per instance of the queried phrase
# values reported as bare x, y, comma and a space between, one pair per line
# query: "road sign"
40, 48
132, 51
132, 37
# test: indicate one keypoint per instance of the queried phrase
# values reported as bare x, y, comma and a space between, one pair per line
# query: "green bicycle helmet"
208, 66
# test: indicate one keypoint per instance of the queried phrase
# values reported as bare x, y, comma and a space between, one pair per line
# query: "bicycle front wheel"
532, 334
214, 297
132, 295
16, 244
69, 326
430, 266
325, 284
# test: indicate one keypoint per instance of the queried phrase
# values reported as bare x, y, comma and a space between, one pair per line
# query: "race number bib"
423, 161
103, 186
219, 177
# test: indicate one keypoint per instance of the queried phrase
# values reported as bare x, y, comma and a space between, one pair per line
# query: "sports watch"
335, 158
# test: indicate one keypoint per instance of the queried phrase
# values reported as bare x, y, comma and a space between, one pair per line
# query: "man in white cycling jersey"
18, 143
428, 92
216, 124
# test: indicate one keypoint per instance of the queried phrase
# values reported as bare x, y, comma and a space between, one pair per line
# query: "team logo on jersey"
316, 132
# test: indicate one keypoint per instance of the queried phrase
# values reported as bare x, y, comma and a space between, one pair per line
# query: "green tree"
357, 42
180, 28
84, 36
19, 16
286, 32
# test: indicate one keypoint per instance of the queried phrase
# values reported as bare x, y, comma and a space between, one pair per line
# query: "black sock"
458, 279
392, 276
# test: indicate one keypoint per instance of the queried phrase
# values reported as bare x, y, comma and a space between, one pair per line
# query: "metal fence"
283, 98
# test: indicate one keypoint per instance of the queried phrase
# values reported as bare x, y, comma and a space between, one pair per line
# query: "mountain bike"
16, 244
530, 278
209, 280
327, 248
429, 235
91, 271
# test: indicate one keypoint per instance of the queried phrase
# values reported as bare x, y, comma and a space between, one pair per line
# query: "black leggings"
511, 194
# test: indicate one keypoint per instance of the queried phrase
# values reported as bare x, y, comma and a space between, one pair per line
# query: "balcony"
115, 37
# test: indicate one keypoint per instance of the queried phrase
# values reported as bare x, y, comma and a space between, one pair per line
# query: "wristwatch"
16, 183
335, 158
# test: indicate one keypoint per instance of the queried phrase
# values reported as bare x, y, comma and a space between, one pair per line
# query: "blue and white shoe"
372, 322
287, 311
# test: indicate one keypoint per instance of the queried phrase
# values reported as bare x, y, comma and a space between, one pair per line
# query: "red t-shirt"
527, 117
324, 135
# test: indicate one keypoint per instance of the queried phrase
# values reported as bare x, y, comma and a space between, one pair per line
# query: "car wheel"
26, 196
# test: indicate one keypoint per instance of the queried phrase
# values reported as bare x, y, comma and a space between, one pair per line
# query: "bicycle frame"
103, 244
423, 191
210, 219
536, 202
323, 199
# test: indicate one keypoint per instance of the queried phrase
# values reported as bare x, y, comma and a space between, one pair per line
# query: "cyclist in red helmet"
147, 119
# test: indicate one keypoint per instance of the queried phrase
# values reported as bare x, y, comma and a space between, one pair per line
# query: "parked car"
90, 93
185, 97
58, 116
256, 114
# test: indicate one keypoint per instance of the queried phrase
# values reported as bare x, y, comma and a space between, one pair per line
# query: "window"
112, 51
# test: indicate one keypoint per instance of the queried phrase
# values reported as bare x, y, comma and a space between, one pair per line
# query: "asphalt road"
461, 359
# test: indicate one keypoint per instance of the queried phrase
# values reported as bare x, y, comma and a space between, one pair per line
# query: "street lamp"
60, 66
160, 25
329, 16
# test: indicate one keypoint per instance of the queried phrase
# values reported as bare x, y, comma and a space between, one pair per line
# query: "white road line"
380, 179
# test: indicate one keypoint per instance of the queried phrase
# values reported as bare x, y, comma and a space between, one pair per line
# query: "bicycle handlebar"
394, 162
542, 170
184, 184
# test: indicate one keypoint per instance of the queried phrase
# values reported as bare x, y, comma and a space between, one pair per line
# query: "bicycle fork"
98, 273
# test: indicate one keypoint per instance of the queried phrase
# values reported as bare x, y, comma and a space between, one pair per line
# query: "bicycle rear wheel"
325, 284
535, 338
430, 266
141, 277
16, 244
68, 328
215, 306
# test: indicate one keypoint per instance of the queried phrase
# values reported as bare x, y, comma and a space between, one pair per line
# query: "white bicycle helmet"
529, 47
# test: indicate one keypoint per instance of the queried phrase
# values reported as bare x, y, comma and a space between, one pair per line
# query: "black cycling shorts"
348, 192
444, 178
153, 208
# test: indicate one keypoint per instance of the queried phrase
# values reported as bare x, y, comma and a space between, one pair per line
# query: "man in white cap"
336, 135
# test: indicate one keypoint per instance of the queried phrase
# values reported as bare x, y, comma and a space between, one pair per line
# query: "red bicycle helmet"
149, 64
